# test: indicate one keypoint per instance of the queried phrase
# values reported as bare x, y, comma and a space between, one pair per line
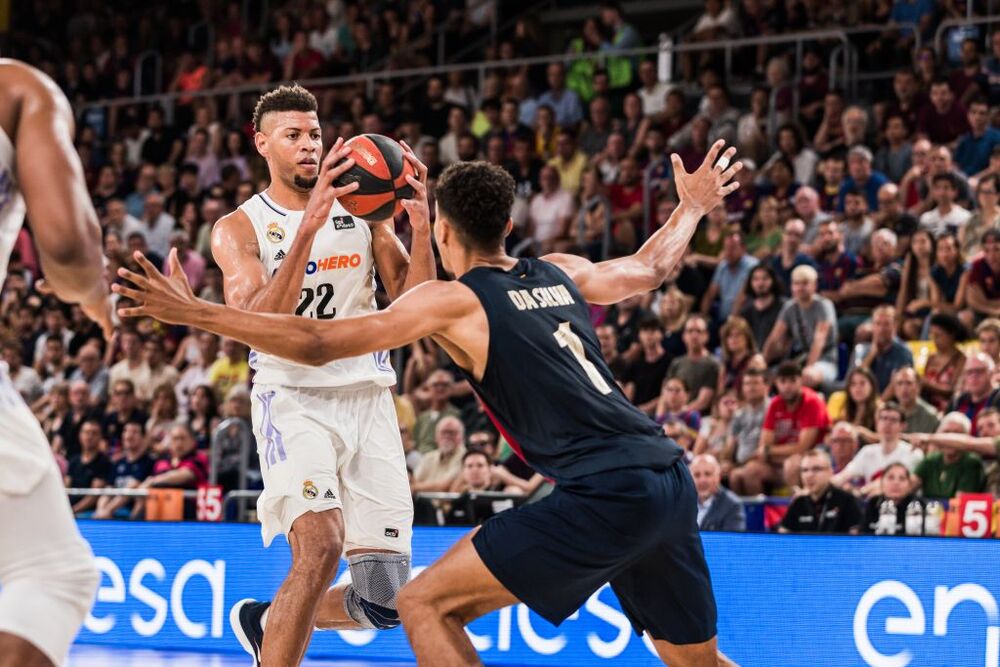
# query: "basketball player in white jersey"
330, 453
47, 573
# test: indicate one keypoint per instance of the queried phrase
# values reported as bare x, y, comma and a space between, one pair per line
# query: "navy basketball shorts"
635, 528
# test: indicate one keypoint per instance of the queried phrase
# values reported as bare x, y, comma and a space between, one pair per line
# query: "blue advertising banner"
783, 600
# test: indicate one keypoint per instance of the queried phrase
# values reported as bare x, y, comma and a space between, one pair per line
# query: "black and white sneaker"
244, 619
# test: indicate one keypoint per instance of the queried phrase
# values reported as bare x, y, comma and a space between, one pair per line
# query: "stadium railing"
945, 25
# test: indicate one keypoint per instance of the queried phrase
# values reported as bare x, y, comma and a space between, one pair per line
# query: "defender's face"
292, 144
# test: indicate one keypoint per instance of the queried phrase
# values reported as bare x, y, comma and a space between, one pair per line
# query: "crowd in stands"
832, 332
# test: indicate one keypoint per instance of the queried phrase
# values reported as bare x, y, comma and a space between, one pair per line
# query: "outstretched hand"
705, 189
417, 208
169, 300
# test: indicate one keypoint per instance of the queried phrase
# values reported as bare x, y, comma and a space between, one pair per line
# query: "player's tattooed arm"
433, 308
700, 192
401, 271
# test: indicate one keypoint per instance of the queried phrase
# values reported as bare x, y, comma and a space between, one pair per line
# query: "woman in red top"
186, 467
945, 366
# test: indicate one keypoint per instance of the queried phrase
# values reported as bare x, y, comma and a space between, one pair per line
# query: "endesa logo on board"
332, 263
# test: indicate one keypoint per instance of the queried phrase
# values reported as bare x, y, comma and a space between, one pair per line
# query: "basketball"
380, 170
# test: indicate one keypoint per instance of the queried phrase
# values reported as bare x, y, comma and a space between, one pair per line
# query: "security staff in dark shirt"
824, 508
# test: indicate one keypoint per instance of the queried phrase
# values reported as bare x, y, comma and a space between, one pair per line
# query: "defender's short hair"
283, 98
476, 198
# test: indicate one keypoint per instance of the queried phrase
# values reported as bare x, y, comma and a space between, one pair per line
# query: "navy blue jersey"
546, 384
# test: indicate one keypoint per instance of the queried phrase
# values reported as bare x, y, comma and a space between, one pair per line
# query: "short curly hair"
283, 98
476, 198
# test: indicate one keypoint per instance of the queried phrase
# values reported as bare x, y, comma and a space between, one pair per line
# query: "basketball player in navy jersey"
624, 507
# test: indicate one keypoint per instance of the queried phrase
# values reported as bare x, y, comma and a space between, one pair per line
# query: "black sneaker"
244, 619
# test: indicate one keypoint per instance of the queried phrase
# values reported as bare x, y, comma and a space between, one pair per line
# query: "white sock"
263, 618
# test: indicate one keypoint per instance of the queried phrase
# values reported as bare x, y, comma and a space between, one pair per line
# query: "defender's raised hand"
417, 207
705, 189
169, 300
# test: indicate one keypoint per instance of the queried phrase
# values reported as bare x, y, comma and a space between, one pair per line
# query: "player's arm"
430, 308
237, 252
613, 280
399, 270
61, 216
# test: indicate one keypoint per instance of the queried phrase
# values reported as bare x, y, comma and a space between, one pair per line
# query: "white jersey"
339, 282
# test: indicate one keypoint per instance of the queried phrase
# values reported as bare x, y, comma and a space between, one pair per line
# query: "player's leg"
47, 574
378, 518
437, 605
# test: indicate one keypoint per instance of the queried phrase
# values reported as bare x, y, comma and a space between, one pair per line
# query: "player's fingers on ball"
342, 167
417, 185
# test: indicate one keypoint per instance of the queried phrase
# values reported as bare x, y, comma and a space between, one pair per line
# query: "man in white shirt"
156, 225
946, 214
653, 92
550, 211
863, 474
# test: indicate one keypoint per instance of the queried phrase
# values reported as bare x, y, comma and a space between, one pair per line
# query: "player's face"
292, 144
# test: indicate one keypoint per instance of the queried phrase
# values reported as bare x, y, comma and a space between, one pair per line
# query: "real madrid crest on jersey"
309, 490
275, 234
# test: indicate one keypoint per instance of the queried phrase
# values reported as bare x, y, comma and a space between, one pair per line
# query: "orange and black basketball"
380, 170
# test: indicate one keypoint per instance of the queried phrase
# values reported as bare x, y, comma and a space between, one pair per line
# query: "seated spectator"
946, 472
162, 417
763, 298
550, 213
738, 352
475, 475
744, 436
943, 120
790, 254
66, 437
842, 441
133, 366
89, 469
978, 391
90, 370
806, 331
122, 408
569, 161
440, 467
807, 207
718, 508
857, 404
895, 157
644, 376
983, 293
791, 146
127, 473
796, 421
876, 286
719, 117
948, 270
729, 278
184, 468
698, 368
891, 215
564, 102
919, 415
626, 196
597, 128
861, 178
607, 337
829, 137
231, 369
202, 415
985, 217
715, 428
862, 473
857, 225
896, 485
946, 214
155, 225
988, 336
972, 154
160, 372
439, 385
24, 378
917, 293
921, 189
946, 365
765, 230
671, 408
833, 265
886, 352
823, 508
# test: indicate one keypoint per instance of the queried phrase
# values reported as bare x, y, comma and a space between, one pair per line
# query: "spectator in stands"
56, 320
917, 293
972, 154
739, 353
564, 102
155, 225
184, 468
89, 469
895, 157
122, 408
857, 226
442, 464
718, 508
790, 254
762, 302
765, 230
834, 266
135, 202
458, 125
597, 128
988, 336
162, 415
160, 372
90, 370
919, 415
699, 369
644, 377
729, 278
862, 473
626, 196
806, 330
744, 432
54, 367
551, 212
978, 392
796, 420
24, 378
230, 369
947, 272
607, 337
969, 81
823, 508
653, 92
203, 415
842, 441
886, 353
944, 119
66, 437
807, 208
908, 99
439, 384
672, 406
861, 178
830, 135
569, 161
946, 214
896, 486
857, 404
722, 120
133, 468
983, 293
946, 472
878, 286
986, 216
475, 475
945, 366
133, 367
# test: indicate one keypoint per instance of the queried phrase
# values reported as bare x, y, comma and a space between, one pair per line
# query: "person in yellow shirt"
231, 369
569, 161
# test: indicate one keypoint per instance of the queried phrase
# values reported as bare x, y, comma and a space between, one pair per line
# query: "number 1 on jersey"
566, 338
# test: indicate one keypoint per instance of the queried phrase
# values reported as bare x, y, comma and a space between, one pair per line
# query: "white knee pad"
46, 600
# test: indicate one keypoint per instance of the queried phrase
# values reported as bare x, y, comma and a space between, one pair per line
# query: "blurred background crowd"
836, 318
